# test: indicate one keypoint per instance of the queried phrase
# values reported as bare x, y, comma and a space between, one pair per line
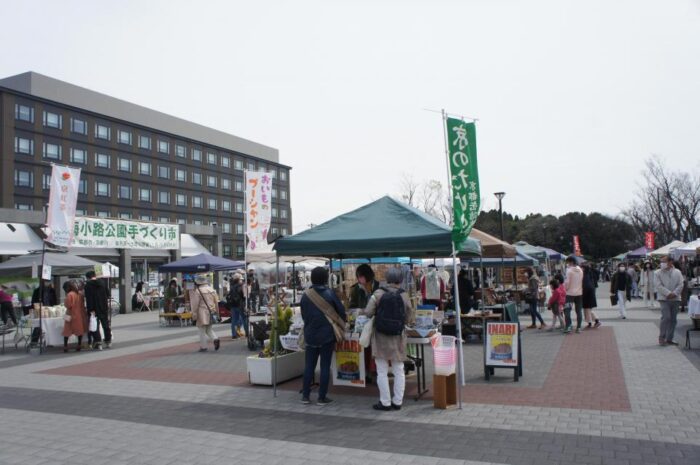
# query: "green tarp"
383, 228
532, 250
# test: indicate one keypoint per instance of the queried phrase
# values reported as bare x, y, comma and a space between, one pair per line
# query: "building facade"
136, 163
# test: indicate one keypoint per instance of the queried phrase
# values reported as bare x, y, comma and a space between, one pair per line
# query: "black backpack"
391, 313
234, 296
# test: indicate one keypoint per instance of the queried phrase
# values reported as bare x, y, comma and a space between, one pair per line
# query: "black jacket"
96, 297
317, 330
619, 276
49, 296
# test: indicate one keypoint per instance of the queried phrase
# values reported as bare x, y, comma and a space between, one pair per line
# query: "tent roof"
383, 228
189, 246
201, 263
553, 254
18, 239
638, 253
665, 250
492, 247
531, 250
520, 260
691, 248
62, 264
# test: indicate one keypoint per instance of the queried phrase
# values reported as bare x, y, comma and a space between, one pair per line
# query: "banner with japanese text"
124, 234
464, 178
258, 210
63, 196
577, 246
649, 240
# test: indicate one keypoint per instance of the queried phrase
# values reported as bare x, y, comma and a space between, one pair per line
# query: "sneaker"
578, 330
203, 349
567, 330
672, 343
531, 327
662, 342
381, 407
623, 317
217, 344
597, 324
543, 326
324, 401
108, 345
395, 406
305, 400
589, 325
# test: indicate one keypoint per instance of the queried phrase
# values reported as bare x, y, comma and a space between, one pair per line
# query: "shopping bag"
366, 336
67, 318
93, 324
613, 299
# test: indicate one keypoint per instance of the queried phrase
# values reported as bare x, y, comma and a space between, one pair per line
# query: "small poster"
424, 322
46, 272
348, 365
502, 344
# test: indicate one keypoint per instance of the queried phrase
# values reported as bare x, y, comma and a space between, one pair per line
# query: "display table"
53, 330
419, 359
475, 323
694, 313
171, 319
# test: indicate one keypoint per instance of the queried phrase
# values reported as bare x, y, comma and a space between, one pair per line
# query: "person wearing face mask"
621, 286
648, 285
573, 284
669, 285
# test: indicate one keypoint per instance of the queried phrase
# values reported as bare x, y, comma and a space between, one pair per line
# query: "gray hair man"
669, 285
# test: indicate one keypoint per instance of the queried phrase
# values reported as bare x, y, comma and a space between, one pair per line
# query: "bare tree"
409, 189
429, 196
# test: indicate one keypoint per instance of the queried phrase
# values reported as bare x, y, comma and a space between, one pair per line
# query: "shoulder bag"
329, 312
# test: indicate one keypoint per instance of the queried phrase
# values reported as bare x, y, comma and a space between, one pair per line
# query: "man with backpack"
236, 301
392, 311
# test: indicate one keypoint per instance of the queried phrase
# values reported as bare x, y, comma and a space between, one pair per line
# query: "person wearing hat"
203, 302
172, 292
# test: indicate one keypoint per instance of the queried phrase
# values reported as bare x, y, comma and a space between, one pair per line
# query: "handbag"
329, 312
93, 324
366, 336
613, 299
67, 318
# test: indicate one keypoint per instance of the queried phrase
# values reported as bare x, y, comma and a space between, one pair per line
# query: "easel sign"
502, 348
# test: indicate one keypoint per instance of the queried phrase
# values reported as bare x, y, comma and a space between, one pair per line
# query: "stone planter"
261, 370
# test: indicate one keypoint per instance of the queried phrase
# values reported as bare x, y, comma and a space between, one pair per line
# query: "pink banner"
62, 199
258, 210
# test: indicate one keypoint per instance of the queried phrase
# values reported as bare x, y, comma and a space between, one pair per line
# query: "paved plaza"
605, 396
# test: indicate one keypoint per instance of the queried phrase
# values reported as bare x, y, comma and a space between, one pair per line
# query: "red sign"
649, 240
577, 246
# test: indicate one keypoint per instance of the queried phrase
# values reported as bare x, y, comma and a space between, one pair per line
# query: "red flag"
649, 240
577, 246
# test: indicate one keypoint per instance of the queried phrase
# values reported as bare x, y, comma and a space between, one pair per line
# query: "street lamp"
499, 196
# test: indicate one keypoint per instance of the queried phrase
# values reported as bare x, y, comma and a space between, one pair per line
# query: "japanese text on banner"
258, 210
122, 234
464, 178
62, 199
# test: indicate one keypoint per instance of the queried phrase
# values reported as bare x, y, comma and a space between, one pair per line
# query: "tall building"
136, 163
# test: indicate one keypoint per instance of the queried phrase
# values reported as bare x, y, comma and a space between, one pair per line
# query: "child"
556, 303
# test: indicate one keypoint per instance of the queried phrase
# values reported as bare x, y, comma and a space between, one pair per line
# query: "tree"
429, 196
668, 203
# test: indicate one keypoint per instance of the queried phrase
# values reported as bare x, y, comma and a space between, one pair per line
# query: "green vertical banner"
464, 178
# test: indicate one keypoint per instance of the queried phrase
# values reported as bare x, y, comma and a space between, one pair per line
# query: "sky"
571, 97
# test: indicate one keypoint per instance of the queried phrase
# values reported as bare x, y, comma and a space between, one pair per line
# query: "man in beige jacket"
669, 284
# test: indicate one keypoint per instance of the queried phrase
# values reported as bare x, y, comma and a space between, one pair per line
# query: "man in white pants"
621, 286
669, 284
389, 338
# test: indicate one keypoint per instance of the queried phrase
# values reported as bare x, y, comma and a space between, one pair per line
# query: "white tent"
689, 249
189, 246
18, 239
62, 264
665, 250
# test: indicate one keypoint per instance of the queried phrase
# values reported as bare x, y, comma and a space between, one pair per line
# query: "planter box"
261, 370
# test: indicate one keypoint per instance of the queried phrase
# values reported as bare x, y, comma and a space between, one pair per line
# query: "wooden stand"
444, 391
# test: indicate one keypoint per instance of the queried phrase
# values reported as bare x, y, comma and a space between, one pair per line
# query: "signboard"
464, 178
63, 196
106, 270
649, 240
258, 210
46, 272
348, 366
502, 344
577, 246
124, 234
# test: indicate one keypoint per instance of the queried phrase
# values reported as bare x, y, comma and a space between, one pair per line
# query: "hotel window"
274, 231
225, 161
23, 145
102, 213
197, 178
124, 164
46, 181
274, 212
103, 189
163, 219
226, 228
239, 228
181, 200
124, 137
53, 120
144, 168
144, 194
196, 201
283, 195
239, 207
52, 151
78, 126
124, 216
261, 167
125, 192
239, 251
163, 146
196, 155
226, 183
238, 165
24, 206
226, 205
180, 175
24, 113
211, 158
78, 156
251, 166
273, 173
181, 221
227, 250
212, 204
239, 186
103, 132
283, 213
284, 231
164, 172
181, 151
24, 178
82, 187
102, 160
283, 175
145, 217
81, 212
197, 222
211, 181
274, 192
145, 142
163, 197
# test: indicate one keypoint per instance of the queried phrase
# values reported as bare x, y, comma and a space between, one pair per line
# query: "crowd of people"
87, 310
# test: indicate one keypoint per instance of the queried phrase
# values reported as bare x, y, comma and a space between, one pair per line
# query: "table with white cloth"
694, 313
53, 330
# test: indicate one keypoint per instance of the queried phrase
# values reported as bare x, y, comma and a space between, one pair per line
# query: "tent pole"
276, 323
41, 284
458, 311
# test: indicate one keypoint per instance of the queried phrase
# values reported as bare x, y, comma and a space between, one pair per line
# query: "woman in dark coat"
590, 283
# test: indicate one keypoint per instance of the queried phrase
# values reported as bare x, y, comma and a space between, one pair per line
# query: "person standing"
621, 286
669, 285
590, 283
573, 284
466, 291
74, 323
392, 311
48, 297
6, 308
96, 302
236, 301
532, 299
172, 293
204, 301
366, 285
253, 292
556, 303
432, 288
648, 285
324, 325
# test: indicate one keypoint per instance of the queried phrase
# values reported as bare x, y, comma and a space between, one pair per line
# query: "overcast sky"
571, 97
